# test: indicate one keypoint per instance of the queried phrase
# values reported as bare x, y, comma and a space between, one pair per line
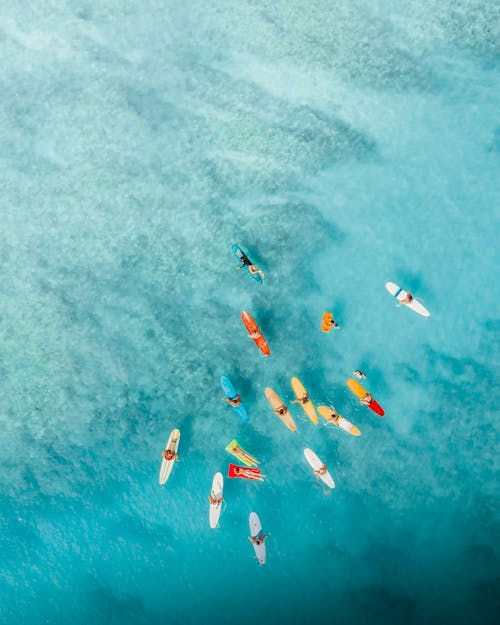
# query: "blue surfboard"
231, 393
241, 256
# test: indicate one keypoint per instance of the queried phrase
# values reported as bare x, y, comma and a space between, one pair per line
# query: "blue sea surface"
341, 144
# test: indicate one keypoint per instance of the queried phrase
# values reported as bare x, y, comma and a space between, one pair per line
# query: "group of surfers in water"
169, 455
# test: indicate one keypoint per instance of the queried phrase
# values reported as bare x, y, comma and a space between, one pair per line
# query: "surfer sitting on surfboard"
321, 471
214, 501
281, 410
367, 399
407, 300
168, 454
258, 540
246, 262
235, 401
303, 400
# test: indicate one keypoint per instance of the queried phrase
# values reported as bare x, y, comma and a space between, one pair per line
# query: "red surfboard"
255, 333
245, 473
376, 407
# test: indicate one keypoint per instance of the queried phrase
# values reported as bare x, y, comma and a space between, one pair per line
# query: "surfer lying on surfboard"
246, 262
333, 417
235, 401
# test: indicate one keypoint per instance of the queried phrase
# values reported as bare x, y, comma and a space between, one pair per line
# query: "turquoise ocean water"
341, 144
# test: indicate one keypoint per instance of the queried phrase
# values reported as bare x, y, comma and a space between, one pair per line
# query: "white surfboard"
216, 493
167, 465
256, 532
400, 294
316, 464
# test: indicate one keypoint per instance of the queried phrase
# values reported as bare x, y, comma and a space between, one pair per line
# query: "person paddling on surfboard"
367, 399
233, 401
246, 262
168, 454
281, 410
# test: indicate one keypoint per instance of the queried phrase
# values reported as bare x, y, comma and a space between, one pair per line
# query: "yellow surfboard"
356, 388
301, 394
333, 417
276, 403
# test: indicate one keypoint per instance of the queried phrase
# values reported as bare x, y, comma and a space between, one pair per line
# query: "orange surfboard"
255, 333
